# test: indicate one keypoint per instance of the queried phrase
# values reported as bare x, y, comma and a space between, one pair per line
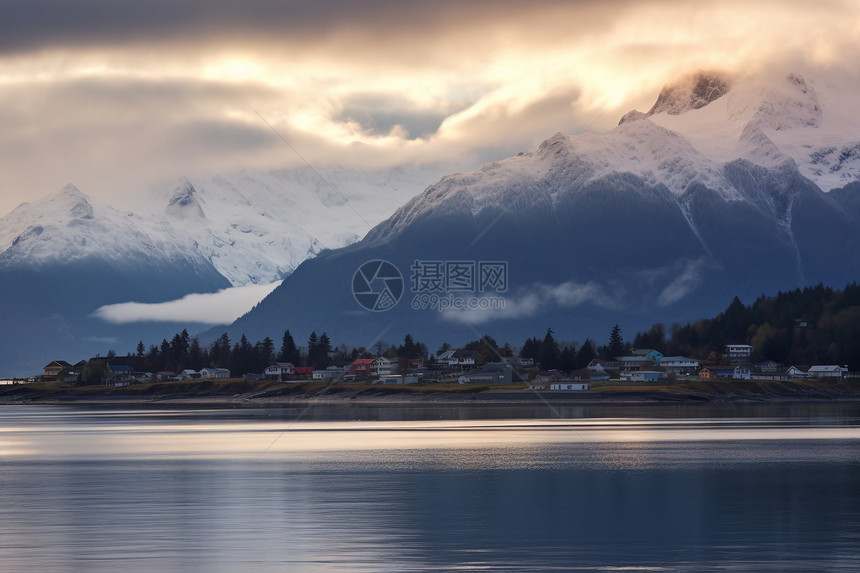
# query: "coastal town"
806, 334
465, 367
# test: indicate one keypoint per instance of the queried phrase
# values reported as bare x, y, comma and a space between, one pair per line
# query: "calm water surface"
430, 489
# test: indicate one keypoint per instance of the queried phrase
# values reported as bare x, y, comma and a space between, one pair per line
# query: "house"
166, 376
490, 373
279, 371
303, 371
679, 364
445, 357
722, 372
525, 362
383, 366
56, 368
594, 373
569, 386
362, 366
463, 358
780, 374
119, 373
214, 373
707, 374
739, 353
399, 379
742, 372
767, 366
642, 375
551, 377
633, 362
648, 354
826, 371
601, 365
329, 373
795, 372
188, 374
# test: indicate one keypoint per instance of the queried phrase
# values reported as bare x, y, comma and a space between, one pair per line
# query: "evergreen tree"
195, 355
616, 343
313, 342
585, 354
266, 355
319, 358
408, 349
567, 360
289, 351
549, 352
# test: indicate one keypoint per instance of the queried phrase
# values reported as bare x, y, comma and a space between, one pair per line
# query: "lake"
431, 488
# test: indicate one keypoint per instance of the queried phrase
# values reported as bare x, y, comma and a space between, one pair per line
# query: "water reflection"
184, 491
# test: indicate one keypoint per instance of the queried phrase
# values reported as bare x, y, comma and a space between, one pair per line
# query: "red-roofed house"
362, 366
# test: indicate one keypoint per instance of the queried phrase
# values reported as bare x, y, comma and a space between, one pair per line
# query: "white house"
399, 379
279, 370
742, 373
329, 373
569, 386
383, 366
325, 374
463, 358
827, 371
680, 364
739, 353
214, 373
795, 372
446, 356
641, 375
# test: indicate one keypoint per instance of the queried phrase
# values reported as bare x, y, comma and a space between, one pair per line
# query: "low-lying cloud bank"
222, 307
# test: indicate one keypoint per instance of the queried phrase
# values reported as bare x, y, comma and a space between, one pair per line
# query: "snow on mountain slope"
664, 218
69, 226
773, 120
256, 227
695, 129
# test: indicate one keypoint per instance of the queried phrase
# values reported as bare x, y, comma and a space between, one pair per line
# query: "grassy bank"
243, 393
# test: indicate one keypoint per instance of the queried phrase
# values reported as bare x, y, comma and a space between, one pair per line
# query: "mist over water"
348, 490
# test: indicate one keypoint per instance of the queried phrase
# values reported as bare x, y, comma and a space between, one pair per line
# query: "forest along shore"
241, 393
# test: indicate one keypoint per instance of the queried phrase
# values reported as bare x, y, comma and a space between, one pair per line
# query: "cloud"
529, 302
222, 307
106, 93
683, 284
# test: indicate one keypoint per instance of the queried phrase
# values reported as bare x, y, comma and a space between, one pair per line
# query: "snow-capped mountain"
257, 227
64, 257
70, 227
727, 186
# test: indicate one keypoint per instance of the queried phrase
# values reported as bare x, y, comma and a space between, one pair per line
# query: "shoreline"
241, 394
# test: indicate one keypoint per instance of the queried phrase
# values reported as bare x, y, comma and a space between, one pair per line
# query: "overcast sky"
112, 95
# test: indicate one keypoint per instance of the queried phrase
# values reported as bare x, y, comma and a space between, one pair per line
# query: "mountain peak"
692, 92
79, 206
183, 203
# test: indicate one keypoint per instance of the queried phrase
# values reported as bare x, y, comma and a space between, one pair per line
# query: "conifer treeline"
184, 352
813, 325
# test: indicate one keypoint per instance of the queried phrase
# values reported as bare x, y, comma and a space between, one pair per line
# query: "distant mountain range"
64, 257
727, 186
